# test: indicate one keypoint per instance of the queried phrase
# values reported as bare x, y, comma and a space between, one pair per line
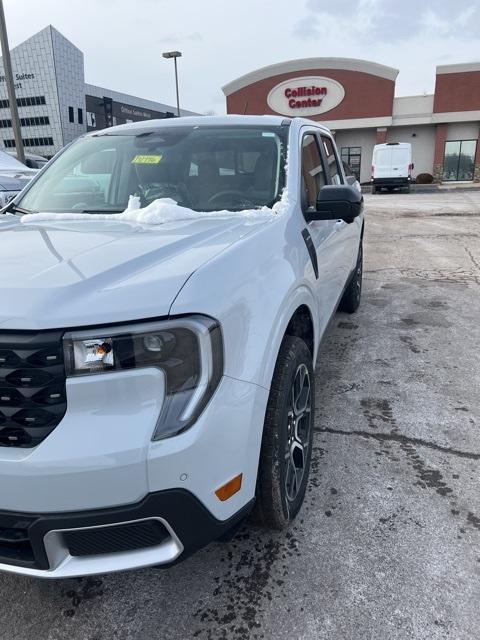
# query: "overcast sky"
123, 40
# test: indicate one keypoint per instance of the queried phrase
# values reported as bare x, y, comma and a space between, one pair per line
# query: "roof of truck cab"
198, 121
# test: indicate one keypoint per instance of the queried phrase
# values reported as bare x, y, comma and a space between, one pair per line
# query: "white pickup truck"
164, 290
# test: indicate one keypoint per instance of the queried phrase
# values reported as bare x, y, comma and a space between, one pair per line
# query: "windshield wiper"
14, 208
100, 211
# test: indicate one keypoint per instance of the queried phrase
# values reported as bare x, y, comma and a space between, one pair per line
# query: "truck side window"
313, 174
335, 173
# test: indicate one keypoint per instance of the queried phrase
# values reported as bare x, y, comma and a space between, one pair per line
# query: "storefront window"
353, 156
459, 160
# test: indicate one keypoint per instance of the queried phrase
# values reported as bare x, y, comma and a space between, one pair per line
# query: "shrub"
424, 178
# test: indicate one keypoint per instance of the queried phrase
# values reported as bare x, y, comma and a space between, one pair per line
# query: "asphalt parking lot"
388, 543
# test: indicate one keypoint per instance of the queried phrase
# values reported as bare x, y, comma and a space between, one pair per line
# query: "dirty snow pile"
159, 211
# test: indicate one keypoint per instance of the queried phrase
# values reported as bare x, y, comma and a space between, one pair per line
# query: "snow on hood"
162, 210
159, 211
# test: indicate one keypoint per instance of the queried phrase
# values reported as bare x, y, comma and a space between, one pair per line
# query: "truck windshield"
203, 168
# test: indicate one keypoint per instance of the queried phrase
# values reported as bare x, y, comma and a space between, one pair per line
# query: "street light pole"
174, 55
7, 67
176, 86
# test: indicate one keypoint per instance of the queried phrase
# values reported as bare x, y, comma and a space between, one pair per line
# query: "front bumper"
159, 530
101, 457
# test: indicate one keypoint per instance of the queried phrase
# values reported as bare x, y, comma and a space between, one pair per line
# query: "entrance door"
459, 162
353, 157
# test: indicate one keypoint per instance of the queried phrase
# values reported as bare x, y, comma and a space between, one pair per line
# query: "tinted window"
335, 173
313, 175
459, 163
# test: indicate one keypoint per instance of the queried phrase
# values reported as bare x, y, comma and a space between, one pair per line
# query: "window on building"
26, 122
353, 157
91, 119
34, 121
80, 116
459, 161
332, 161
70, 114
24, 102
313, 174
31, 142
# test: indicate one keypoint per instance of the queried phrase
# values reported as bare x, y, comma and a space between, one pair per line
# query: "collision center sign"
306, 96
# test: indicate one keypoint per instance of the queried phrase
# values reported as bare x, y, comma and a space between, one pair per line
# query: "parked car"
13, 177
351, 178
32, 160
392, 166
157, 353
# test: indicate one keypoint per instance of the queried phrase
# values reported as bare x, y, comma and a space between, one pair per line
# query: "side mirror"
337, 202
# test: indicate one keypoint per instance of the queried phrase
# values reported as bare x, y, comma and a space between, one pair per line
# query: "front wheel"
287, 437
351, 296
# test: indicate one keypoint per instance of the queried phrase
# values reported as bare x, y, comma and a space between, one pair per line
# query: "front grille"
32, 386
115, 538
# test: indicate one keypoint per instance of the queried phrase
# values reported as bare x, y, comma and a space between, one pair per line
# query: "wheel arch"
298, 319
301, 326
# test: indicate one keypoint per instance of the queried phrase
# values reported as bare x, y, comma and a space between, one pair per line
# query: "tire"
352, 295
287, 437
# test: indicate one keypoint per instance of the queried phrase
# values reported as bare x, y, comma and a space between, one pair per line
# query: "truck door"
382, 162
400, 162
346, 235
319, 235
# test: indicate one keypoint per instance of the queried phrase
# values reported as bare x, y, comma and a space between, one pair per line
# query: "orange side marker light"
230, 488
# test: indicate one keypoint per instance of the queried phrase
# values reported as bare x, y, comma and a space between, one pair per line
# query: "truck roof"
193, 121
386, 145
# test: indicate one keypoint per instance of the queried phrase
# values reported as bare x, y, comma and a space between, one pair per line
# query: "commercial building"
356, 100
55, 105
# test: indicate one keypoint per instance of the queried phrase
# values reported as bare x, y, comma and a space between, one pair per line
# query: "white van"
392, 166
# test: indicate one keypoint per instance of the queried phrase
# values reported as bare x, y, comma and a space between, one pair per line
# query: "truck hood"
67, 274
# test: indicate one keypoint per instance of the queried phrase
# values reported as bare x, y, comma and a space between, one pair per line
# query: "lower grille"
32, 386
115, 538
15, 545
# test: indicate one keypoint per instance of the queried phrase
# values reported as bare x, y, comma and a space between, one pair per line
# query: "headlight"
188, 350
